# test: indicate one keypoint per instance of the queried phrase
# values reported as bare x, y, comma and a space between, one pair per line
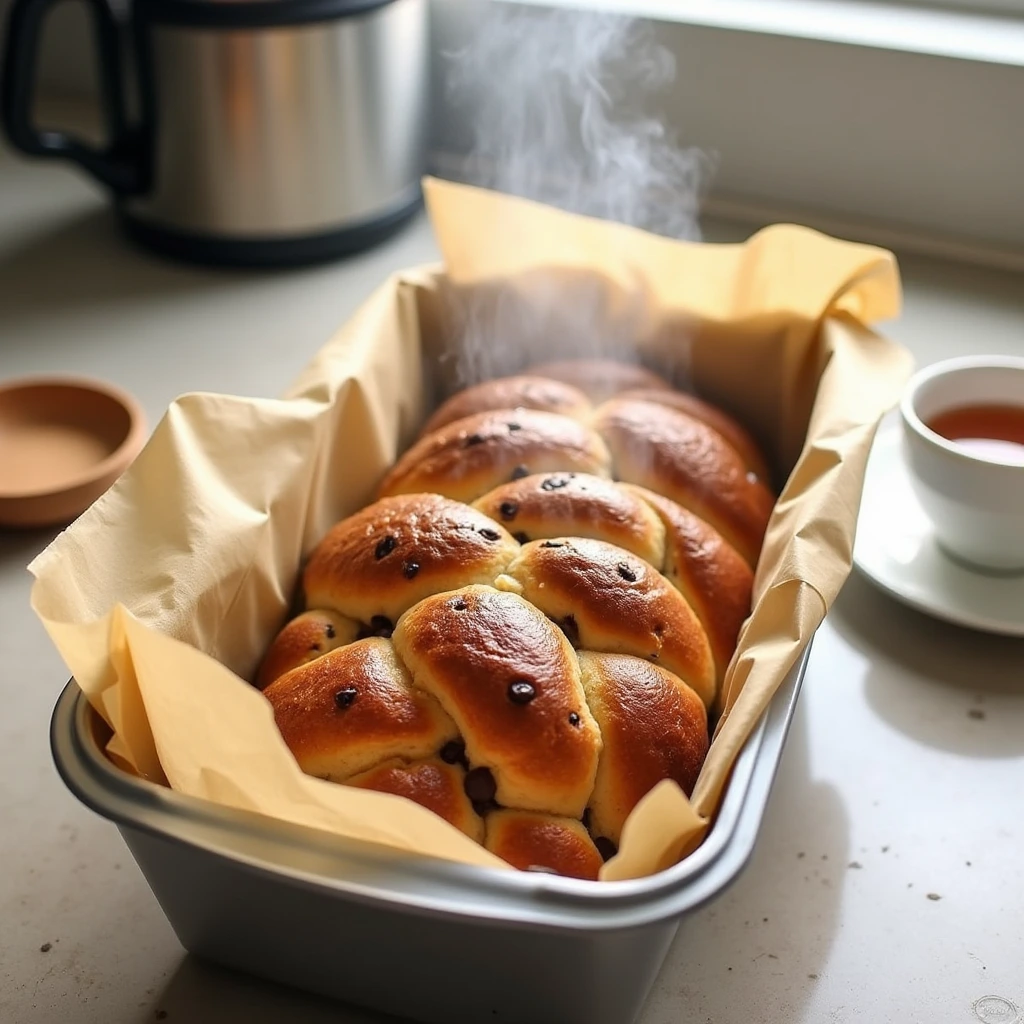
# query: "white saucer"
896, 550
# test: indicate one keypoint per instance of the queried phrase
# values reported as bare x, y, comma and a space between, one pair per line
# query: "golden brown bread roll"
469, 457
682, 458
715, 418
712, 576
554, 647
653, 726
600, 379
354, 708
709, 572
433, 784
606, 599
532, 841
511, 682
375, 564
306, 637
577, 505
523, 392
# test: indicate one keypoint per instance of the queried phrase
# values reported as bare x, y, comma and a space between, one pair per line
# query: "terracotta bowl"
63, 442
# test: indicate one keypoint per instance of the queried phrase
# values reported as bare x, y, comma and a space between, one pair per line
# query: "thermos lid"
252, 13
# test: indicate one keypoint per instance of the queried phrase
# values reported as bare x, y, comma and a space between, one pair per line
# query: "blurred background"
891, 121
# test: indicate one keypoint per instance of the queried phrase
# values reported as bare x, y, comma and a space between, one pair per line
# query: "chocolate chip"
384, 547
521, 692
605, 847
627, 573
459, 604
659, 629
329, 631
480, 786
508, 509
488, 534
522, 537
570, 629
574, 719
314, 647
474, 439
553, 544
380, 625
519, 472
454, 752
345, 698
514, 427
555, 483
409, 569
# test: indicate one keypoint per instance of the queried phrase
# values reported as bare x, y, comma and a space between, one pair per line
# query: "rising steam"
556, 101
556, 104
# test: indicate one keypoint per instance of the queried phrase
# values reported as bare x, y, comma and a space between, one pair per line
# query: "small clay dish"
63, 442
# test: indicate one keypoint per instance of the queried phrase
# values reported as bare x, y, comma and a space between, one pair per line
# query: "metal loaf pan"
407, 935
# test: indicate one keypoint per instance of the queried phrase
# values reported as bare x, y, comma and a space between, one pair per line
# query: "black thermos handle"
119, 165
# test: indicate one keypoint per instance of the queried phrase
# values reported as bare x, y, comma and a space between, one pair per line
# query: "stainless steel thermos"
250, 131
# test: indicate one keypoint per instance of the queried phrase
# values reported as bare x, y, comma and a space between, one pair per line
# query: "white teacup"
973, 496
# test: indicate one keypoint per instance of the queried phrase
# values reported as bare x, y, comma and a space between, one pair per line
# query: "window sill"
919, 148
960, 35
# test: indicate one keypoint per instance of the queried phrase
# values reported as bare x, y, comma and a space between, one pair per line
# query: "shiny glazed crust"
709, 572
600, 379
528, 840
470, 649
608, 600
523, 392
682, 458
654, 727
306, 637
354, 708
382, 560
555, 645
469, 457
729, 428
432, 784
577, 505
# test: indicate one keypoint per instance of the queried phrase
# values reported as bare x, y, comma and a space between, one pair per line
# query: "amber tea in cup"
963, 433
993, 432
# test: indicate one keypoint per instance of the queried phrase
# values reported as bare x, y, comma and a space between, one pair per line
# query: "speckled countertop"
888, 881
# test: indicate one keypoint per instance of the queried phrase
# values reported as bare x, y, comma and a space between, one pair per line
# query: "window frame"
882, 141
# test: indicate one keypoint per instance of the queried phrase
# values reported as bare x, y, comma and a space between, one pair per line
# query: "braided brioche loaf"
525, 632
